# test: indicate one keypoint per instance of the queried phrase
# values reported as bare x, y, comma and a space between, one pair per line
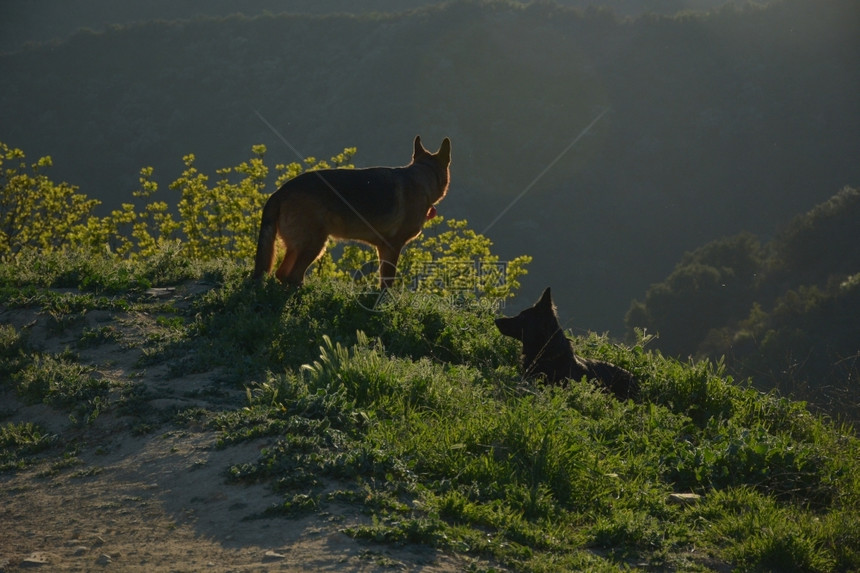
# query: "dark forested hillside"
785, 313
714, 124
23, 21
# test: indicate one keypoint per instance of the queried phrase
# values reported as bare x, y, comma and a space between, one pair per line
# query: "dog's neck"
556, 347
442, 178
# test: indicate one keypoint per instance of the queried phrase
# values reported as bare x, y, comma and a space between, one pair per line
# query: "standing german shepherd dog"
383, 206
548, 352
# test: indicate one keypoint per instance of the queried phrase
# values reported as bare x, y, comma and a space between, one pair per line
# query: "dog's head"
535, 325
440, 161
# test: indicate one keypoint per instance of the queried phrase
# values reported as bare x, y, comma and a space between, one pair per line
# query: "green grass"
20, 442
415, 413
56, 380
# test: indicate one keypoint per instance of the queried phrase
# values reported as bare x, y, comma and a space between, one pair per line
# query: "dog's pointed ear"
546, 297
419, 149
444, 153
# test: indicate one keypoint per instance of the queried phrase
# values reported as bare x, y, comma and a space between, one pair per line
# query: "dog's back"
547, 351
613, 378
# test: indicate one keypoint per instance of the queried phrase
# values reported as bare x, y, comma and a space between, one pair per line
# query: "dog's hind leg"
287, 265
298, 259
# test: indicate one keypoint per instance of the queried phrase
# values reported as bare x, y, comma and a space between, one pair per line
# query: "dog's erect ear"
444, 153
545, 298
419, 149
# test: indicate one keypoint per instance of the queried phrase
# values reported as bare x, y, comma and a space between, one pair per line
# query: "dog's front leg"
388, 256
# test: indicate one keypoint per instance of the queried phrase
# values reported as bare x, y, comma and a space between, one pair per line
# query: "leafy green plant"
60, 382
20, 441
14, 352
35, 212
208, 221
447, 259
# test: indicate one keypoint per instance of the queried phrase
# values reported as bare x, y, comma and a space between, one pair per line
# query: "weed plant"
19, 442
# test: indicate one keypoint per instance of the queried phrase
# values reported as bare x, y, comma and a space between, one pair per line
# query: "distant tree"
710, 286
806, 346
786, 314
819, 243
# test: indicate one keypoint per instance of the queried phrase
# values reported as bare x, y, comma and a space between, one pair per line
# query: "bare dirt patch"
126, 500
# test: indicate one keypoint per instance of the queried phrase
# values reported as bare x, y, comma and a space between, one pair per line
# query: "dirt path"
159, 500
160, 503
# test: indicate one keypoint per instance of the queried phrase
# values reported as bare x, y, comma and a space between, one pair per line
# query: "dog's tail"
266, 241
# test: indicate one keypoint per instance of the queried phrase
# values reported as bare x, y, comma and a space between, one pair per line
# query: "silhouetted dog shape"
548, 352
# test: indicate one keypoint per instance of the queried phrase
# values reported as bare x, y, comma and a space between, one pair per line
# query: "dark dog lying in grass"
548, 352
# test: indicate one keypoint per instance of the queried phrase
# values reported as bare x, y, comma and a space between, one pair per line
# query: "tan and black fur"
383, 206
547, 352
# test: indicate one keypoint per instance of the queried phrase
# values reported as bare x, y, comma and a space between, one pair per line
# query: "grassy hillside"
414, 415
717, 123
